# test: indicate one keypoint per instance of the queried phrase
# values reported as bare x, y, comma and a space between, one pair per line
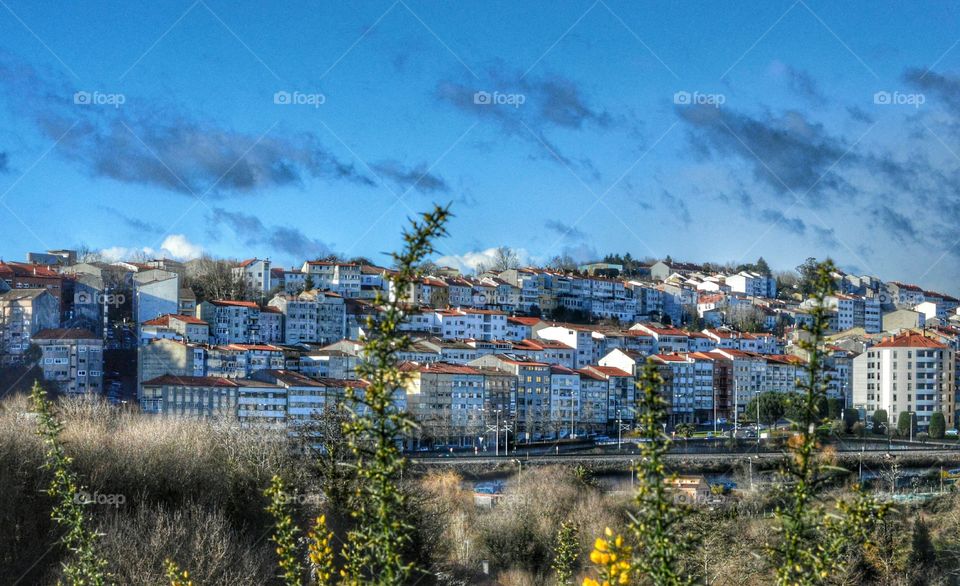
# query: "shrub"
879, 421
938, 425
906, 424
850, 418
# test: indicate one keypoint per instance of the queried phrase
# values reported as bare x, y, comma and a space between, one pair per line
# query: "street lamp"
619, 429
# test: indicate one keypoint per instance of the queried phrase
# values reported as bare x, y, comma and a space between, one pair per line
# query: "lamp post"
736, 403
619, 429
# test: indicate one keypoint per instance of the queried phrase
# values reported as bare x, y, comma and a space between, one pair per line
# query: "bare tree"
504, 259
562, 262
212, 278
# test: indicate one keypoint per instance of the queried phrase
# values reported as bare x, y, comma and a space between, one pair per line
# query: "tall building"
906, 373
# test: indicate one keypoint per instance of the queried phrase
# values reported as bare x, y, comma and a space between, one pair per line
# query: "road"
626, 457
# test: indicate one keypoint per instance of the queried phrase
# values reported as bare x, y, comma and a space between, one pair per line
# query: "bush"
938, 425
906, 424
850, 417
879, 421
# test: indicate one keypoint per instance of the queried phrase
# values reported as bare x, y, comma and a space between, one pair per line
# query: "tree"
879, 421
563, 262
808, 275
938, 425
212, 278
504, 259
906, 424
762, 267
923, 555
308, 284
835, 408
772, 407
850, 418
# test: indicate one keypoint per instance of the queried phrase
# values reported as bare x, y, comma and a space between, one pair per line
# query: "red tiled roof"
190, 381
909, 340
609, 370
65, 334
235, 303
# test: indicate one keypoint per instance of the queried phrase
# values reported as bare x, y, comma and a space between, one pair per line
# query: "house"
175, 327
752, 284
668, 339
72, 358
661, 270
689, 490
24, 313
255, 275
190, 396
578, 337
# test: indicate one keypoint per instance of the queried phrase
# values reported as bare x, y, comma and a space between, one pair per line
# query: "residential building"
910, 373
72, 358
24, 313
256, 276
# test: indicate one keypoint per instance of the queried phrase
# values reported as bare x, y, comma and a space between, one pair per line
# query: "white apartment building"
344, 278
256, 275
475, 324
752, 284
906, 373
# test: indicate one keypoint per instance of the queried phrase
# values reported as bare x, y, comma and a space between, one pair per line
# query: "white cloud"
174, 246
469, 261
180, 248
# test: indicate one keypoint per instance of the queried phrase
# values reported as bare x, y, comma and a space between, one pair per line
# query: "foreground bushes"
158, 481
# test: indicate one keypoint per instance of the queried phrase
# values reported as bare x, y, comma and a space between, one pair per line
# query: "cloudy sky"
703, 130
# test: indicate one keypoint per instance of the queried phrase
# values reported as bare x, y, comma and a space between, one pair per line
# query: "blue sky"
782, 150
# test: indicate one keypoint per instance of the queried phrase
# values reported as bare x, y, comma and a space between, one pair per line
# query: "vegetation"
938, 425
197, 491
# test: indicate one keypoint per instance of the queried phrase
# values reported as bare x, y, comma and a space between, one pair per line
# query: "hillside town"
520, 353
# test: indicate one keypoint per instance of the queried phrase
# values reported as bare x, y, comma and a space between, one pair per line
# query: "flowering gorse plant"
85, 566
